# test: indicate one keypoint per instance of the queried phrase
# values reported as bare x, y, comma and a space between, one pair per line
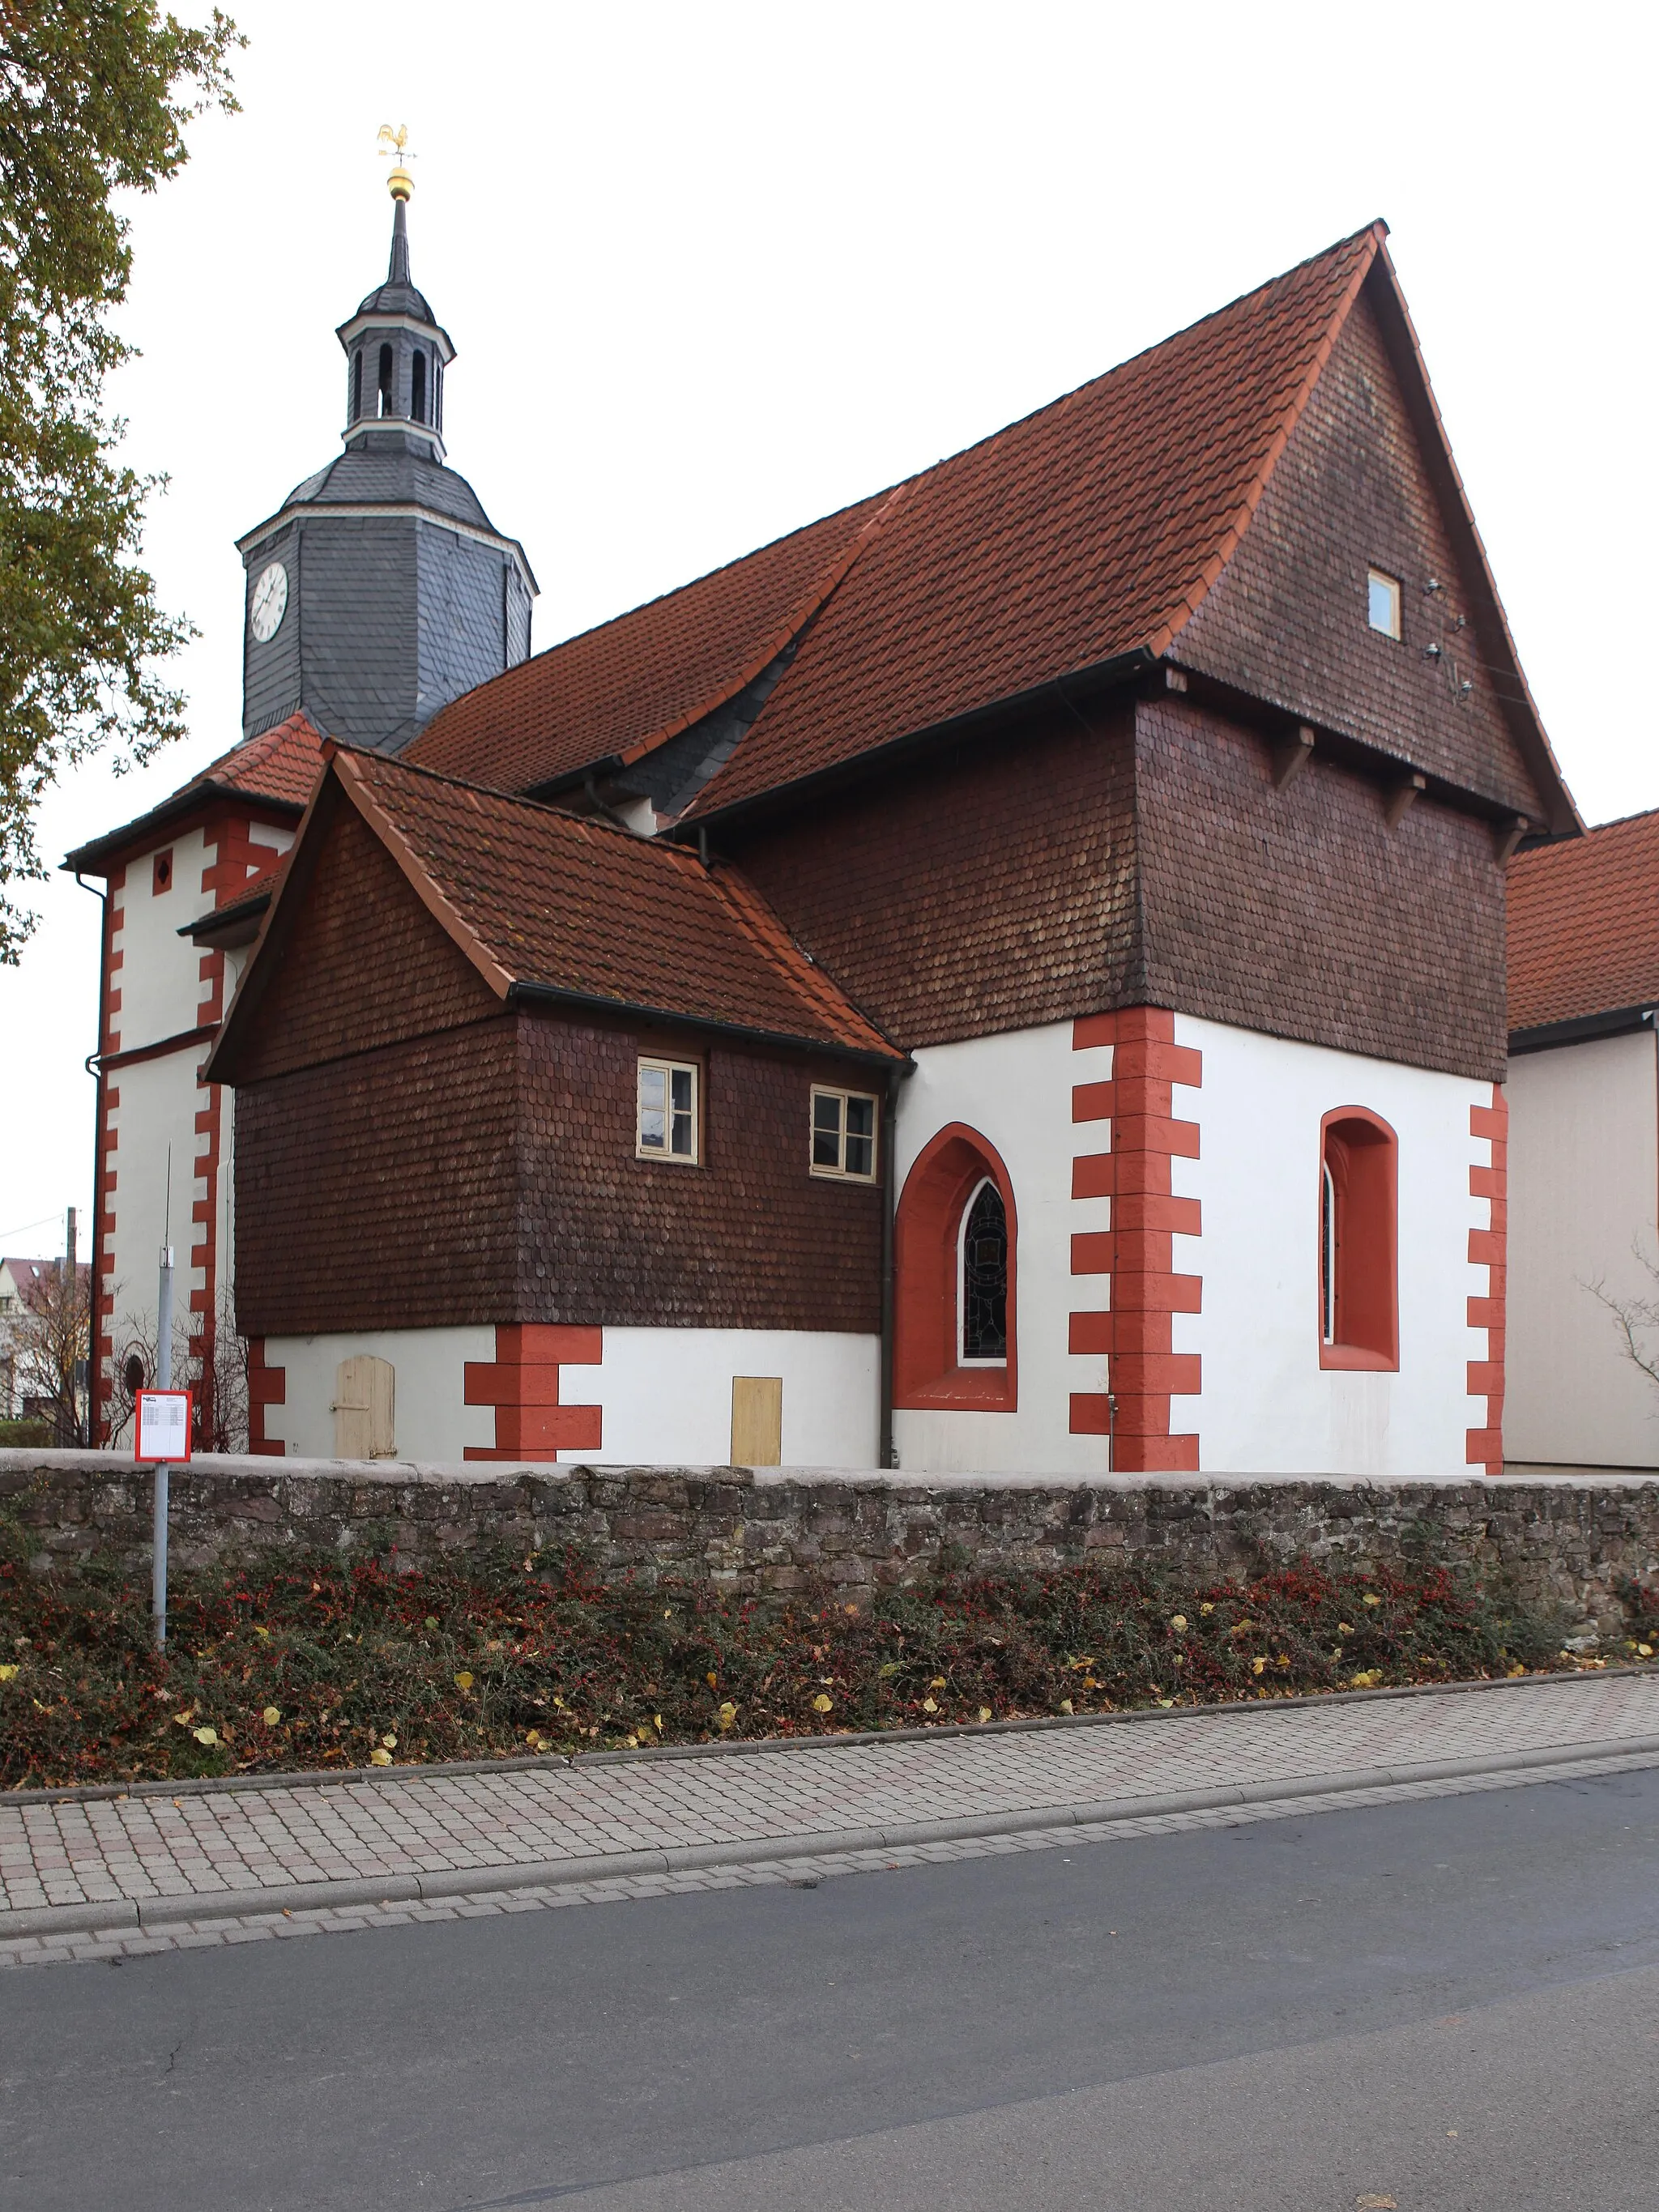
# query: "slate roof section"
279, 768
618, 692
378, 479
1584, 925
547, 902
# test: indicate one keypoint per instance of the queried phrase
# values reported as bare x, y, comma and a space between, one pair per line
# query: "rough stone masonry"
1573, 1540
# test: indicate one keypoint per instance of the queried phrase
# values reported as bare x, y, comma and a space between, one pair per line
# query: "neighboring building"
378, 591
1584, 1096
29, 1290
1077, 1040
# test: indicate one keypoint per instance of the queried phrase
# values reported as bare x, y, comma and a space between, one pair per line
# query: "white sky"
715, 268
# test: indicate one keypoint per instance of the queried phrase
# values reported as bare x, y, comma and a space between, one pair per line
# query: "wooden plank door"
365, 1408
757, 1420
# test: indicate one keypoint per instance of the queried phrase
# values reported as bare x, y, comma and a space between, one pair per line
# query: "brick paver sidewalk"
237, 1849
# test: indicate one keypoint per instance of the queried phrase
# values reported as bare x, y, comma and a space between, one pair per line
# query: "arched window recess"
1359, 1241
387, 390
417, 389
955, 1305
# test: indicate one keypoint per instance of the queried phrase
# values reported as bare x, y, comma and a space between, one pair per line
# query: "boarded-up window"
757, 1420
365, 1425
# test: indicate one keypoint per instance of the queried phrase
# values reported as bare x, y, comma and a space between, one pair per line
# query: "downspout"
896, 1075
93, 1068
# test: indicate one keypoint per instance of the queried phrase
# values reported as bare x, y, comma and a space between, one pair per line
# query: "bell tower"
380, 590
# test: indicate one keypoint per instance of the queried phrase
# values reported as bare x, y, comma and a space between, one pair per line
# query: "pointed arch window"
955, 1306
982, 1298
417, 400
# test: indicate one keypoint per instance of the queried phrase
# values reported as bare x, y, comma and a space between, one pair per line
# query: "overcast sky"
714, 269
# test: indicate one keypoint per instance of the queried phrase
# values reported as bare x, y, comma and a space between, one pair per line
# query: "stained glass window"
985, 1277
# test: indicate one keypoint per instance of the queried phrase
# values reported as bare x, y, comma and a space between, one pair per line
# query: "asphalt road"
1452, 2004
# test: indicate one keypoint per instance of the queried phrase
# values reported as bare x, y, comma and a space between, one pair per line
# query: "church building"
1008, 978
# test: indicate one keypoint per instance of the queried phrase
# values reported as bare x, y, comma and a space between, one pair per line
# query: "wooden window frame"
842, 1173
664, 1154
1396, 591
1358, 1275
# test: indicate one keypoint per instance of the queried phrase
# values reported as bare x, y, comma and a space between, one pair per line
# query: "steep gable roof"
545, 903
279, 768
617, 692
1584, 925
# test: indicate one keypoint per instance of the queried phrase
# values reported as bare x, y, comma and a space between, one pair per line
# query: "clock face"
270, 602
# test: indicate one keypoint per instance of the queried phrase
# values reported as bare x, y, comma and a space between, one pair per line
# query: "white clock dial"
270, 602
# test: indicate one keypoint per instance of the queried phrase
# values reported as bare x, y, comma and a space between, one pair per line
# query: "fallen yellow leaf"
270, 1716
1257, 1666
463, 1680
823, 1704
1345, 1628
265, 1633
938, 1682
1376, 2204
728, 1711
1206, 1606
205, 1734
1370, 1598
1065, 1705
656, 1722
378, 1757
390, 1741
929, 1704
1644, 1651
985, 1712
7, 1673
1177, 1622
711, 1678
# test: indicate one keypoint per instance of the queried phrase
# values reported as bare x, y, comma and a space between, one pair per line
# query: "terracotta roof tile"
281, 764
1583, 924
1090, 529
537, 897
621, 689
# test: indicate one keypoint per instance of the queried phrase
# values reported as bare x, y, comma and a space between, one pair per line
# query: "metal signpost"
163, 1440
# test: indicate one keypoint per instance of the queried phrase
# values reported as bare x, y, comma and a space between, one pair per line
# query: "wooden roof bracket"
1402, 797
1506, 835
1291, 756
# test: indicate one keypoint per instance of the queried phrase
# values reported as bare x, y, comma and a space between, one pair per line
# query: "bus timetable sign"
163, 1427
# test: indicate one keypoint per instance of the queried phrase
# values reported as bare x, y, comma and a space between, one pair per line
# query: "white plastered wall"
1015, 1091
158, 978
1584, 1195
665, 1393
1266, 1405
431, 1419
159, 1100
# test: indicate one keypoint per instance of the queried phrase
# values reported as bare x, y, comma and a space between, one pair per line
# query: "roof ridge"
491, 790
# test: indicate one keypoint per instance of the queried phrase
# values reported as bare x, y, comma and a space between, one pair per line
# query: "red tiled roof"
539, 897
1583, 924
1089, 530
619, 691
279, 767
280, 764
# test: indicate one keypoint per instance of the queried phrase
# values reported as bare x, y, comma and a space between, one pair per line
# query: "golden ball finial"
399, 182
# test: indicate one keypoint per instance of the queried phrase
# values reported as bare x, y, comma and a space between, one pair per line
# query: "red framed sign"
163, 1419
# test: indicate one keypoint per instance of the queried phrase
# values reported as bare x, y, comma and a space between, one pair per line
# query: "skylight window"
1383, 592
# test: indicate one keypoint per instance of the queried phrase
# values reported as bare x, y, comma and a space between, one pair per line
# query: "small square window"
667, 1124
844, 1134
1384, 599
161, 873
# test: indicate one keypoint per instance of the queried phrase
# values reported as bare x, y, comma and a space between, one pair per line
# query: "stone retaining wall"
1570, 1540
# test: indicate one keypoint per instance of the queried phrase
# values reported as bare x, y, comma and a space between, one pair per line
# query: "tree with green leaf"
95, 99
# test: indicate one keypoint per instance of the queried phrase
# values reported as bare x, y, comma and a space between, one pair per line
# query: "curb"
485, 1882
